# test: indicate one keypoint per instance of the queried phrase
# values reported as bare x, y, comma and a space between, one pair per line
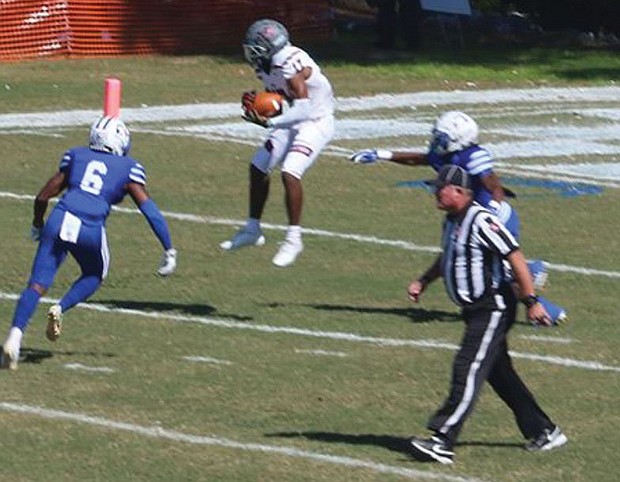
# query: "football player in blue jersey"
93, 179
454, 140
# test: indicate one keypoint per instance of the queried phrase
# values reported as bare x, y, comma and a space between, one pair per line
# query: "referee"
474, 245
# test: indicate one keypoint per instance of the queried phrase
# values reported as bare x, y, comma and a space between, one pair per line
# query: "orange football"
268, 104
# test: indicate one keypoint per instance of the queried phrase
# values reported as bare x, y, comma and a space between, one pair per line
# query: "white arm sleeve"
300, 110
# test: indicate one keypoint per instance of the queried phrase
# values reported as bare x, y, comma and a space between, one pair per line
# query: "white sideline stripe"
167, 113
207, 359
173, 435
339, 354
332, 335
85, 368
394, 243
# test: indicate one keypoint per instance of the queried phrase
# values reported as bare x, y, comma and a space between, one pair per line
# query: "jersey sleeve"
494, 235
66, 161
480, 163
295, 63
137, 173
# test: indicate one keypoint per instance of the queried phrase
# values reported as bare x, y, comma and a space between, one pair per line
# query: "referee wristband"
530, 300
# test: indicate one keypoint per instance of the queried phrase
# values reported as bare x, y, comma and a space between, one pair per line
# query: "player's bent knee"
38, 288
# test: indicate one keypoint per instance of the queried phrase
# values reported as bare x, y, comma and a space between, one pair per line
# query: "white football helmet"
262, 40
453, 131
109, 134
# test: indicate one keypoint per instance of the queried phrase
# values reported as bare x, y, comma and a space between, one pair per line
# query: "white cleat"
10, 356
242, 238
288, 253
54, 323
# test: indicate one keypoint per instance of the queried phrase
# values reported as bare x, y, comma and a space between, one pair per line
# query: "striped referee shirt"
474, 248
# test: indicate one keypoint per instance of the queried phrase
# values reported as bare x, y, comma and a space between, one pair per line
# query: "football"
268, 104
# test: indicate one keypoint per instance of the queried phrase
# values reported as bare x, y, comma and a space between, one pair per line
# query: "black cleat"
433, 449
547, 440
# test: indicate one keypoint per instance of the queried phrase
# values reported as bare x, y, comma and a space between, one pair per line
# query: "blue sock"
25, 308
81, 290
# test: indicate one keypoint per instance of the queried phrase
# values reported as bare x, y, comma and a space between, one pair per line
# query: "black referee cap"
451, 174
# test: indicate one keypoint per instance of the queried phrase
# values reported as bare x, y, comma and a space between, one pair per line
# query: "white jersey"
287, 63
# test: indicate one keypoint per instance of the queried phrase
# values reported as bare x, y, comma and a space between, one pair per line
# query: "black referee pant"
483, 355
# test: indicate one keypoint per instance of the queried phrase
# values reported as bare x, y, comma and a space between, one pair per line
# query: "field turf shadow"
415, 315
164, 306
389, 442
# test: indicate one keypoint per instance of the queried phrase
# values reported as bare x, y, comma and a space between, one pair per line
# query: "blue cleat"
556, 313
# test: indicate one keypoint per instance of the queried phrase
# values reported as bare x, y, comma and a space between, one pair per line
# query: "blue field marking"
561, 188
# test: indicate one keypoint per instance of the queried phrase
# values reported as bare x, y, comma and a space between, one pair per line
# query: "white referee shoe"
244, 237
288, 252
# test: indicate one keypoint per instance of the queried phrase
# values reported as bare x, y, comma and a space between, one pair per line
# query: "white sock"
293, 234
15, 336
252, 224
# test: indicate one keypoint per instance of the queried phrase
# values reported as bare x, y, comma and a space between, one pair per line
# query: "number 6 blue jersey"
95, 181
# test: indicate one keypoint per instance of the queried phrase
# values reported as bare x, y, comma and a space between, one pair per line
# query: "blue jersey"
476, 161
96, 180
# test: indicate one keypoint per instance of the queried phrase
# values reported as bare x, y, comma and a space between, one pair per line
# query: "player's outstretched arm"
370, 156
158, 224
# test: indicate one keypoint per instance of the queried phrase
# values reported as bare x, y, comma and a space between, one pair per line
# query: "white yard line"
207, 359
338, 354
86, 368
329, 335
174, 436
394, 243
547, 339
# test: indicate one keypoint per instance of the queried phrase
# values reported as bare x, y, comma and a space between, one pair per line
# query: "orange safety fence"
90, 28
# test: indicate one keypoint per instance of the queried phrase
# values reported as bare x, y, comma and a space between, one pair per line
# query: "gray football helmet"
262, 40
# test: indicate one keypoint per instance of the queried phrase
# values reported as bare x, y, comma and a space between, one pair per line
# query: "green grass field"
234, 370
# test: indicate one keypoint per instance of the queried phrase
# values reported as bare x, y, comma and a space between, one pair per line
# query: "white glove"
168, 262
366, 156
35, 233
370, 156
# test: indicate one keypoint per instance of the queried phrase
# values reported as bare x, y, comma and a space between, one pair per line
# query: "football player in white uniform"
297, 135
